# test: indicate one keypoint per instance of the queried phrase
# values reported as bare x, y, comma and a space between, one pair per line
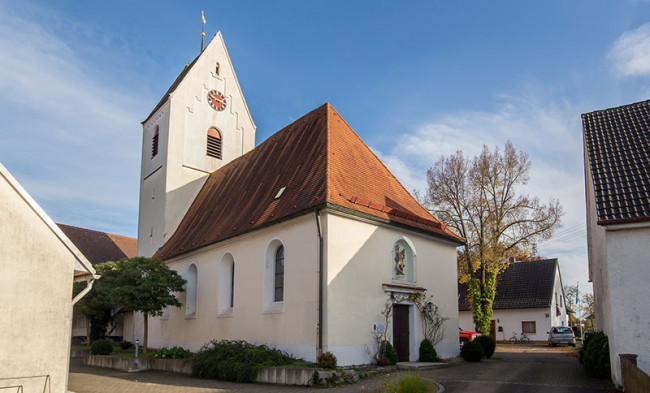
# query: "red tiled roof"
321, 162
100, 247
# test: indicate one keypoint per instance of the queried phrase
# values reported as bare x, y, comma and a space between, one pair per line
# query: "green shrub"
585, 342
235, 360
173, 353
101, 347
410, 383
427, 352
327, 360
595, 358
125, 344
488, 345
472, 351
387, 351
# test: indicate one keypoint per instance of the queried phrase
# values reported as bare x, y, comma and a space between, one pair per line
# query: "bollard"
137, 344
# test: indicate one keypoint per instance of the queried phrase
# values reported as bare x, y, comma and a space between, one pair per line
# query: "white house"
617, 177
98, 247
529, 299
298, 243
39, 265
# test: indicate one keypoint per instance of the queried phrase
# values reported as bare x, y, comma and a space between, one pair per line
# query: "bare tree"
478, 199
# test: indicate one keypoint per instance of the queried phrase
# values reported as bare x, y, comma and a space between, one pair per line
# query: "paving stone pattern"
520, 369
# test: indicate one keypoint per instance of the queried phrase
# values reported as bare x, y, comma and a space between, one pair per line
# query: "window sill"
274, 308
227, 313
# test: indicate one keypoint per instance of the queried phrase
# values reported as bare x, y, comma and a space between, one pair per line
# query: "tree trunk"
146, 333
87, 329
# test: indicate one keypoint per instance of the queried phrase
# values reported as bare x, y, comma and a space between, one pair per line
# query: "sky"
415, 79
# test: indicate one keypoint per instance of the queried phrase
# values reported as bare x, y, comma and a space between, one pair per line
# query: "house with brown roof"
98, 247
617, 183
298, 243
529, 299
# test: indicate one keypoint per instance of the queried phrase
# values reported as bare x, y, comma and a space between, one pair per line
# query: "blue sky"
416, 80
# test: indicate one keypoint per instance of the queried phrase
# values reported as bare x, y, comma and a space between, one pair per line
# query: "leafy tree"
478, 199
97, 306
588, 309
143, 284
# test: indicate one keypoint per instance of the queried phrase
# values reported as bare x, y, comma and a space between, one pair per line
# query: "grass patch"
149, 354
300, 365
496, 357
409, 383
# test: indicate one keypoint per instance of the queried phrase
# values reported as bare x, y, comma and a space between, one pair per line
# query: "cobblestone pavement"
521, 369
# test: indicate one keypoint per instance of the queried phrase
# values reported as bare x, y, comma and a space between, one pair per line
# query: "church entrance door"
401, 332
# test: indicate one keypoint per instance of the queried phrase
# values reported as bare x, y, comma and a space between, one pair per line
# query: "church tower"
200, 125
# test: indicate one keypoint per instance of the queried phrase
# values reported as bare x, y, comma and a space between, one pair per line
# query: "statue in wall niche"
399, 260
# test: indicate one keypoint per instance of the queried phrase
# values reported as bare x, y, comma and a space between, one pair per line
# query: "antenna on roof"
202, 29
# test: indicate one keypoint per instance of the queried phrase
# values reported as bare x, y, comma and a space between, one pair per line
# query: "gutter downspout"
89, 286
320, 281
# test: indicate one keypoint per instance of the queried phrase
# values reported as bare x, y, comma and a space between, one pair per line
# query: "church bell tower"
201, 123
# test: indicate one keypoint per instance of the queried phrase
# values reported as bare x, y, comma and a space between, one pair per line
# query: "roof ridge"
639, 103
329, 112
94, 230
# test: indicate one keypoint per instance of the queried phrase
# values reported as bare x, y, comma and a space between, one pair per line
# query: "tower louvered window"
214, 143
154, 144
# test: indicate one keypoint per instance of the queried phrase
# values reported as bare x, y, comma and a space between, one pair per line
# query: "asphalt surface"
517, 369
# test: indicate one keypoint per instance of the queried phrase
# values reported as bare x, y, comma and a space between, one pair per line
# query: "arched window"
226, 287
216, 68
275, 268
278, 280
214, 143
191, 291
154, 143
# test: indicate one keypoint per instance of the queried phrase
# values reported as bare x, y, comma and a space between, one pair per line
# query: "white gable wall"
359, 260
628, 275
35, 293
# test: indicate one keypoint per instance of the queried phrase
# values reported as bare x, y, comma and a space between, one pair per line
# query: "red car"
465, 336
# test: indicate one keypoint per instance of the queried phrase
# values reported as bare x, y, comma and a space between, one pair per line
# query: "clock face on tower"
216, 100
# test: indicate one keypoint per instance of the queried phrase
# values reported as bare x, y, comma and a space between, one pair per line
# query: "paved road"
519, 369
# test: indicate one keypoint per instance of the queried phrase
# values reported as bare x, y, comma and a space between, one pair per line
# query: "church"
299, 243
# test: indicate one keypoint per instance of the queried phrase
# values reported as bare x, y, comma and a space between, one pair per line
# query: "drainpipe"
89, 286
320, 281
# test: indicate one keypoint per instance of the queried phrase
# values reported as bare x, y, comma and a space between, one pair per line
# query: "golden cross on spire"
202, 29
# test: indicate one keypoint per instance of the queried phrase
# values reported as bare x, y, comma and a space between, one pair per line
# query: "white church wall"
293, 329
36, 296
359, 260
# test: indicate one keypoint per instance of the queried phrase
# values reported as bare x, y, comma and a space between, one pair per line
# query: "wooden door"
401, 331
493, 330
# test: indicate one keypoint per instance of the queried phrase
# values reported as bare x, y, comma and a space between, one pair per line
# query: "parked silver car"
561, 335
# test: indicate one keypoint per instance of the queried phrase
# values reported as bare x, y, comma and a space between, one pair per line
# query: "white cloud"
631, 52
70, 139
547, 129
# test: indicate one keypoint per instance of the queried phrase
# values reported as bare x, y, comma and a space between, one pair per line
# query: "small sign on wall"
378, 328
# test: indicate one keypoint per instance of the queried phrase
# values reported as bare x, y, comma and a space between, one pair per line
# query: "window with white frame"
226, 287
191, 291
274, 277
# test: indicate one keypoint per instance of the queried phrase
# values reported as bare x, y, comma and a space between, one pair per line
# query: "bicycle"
523, 340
